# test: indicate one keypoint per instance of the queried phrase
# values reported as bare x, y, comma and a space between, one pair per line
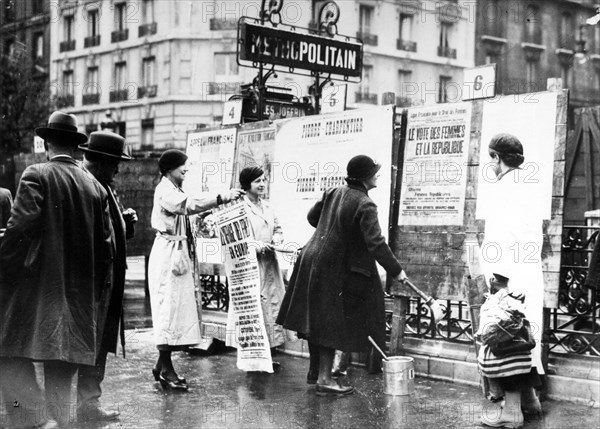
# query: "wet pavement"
222, 396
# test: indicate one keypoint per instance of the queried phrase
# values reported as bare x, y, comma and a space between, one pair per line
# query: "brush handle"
422, 294
377, 347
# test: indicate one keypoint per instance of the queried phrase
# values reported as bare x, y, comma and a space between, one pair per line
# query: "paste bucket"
399, 375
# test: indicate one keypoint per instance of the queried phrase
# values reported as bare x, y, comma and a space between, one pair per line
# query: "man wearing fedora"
103, 154
55, 261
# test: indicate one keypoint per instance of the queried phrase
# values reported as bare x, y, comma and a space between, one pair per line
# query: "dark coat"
335, 297
593, 277
54, 261
5, 206
111, 306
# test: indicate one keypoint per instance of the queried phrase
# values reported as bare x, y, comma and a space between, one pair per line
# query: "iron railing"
574, 326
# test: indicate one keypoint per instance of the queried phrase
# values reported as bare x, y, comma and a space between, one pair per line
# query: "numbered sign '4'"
232, 112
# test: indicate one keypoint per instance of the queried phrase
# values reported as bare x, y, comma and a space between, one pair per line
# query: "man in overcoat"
103, 154
54, 264
335, 298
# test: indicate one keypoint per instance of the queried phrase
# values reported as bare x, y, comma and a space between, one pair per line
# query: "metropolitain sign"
269, 45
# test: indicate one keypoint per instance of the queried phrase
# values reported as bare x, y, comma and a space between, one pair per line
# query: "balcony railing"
365, 97
91, 41
445, 51
217, 24
403, 102
147, 91
65, 101
119, 35
367, 38
117, 95
406, 45
91, 98
147, 29
67, 45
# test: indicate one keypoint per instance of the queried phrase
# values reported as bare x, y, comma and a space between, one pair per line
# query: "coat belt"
171, 237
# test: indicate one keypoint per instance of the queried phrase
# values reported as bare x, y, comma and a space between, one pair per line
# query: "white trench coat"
175, 317
265, 225
513, 245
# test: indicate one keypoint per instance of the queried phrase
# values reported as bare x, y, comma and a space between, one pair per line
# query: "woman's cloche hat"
62, 128
106, 143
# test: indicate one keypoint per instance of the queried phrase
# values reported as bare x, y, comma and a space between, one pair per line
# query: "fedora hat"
106, 143
62, 126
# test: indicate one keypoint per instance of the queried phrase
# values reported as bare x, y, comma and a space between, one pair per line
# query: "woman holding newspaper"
268, 234
175, 316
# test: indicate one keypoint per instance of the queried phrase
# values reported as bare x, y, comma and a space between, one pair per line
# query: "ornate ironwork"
215, 293
575, 324
454, 327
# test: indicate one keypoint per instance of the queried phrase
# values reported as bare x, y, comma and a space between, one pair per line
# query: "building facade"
415, 49
163, 67
532, 41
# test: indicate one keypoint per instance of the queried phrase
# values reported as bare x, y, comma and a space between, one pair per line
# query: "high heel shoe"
156, 374
171, 384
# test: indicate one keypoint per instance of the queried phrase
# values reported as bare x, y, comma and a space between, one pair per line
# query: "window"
364, 85
226, 64
148, 71
566, 31
120, 16
491, 15
147, 11
443, 89
404, 81
533, 33
91, 93
406, 22
68, 27
365, 16
120, 70
147, 133
38, 46
68, 84
92, 80
405, 42
444, 34
444, 49
93, 22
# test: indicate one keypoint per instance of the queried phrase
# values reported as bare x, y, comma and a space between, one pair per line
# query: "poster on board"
210, 165
532, 119
255, 147
245, 323
435, 165
311, 154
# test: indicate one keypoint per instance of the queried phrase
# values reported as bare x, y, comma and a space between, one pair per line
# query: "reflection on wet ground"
222, 396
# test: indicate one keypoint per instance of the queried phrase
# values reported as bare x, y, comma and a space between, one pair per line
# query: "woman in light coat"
512, 249
267, 234
175, 317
